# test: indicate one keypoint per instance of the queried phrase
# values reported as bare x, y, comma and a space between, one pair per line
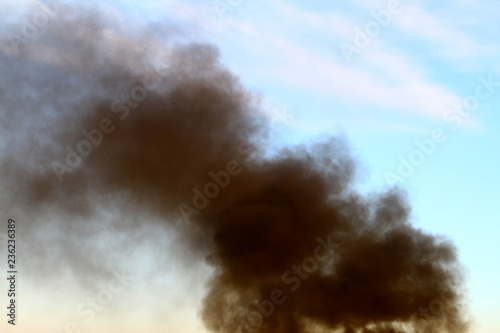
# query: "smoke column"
94, 116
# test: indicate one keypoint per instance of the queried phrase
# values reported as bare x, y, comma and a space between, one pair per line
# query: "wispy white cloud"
380, 80
439, 33
383, 78
389, 82
331, 22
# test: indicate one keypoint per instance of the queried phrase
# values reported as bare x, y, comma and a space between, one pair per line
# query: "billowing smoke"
94, 116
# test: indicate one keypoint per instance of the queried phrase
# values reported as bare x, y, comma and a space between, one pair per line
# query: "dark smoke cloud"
172, 136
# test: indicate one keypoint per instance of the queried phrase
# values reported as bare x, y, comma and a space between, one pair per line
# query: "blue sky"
417, 65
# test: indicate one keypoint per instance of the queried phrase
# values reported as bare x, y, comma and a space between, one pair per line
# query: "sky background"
395, 90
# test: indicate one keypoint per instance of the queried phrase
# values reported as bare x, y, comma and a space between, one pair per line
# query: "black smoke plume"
95, 117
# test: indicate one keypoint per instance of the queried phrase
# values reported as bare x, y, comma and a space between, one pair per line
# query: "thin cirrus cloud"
383, 76
405, 91
439, 33
376, 79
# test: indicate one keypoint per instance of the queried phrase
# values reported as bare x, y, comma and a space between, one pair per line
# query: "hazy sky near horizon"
416, 93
